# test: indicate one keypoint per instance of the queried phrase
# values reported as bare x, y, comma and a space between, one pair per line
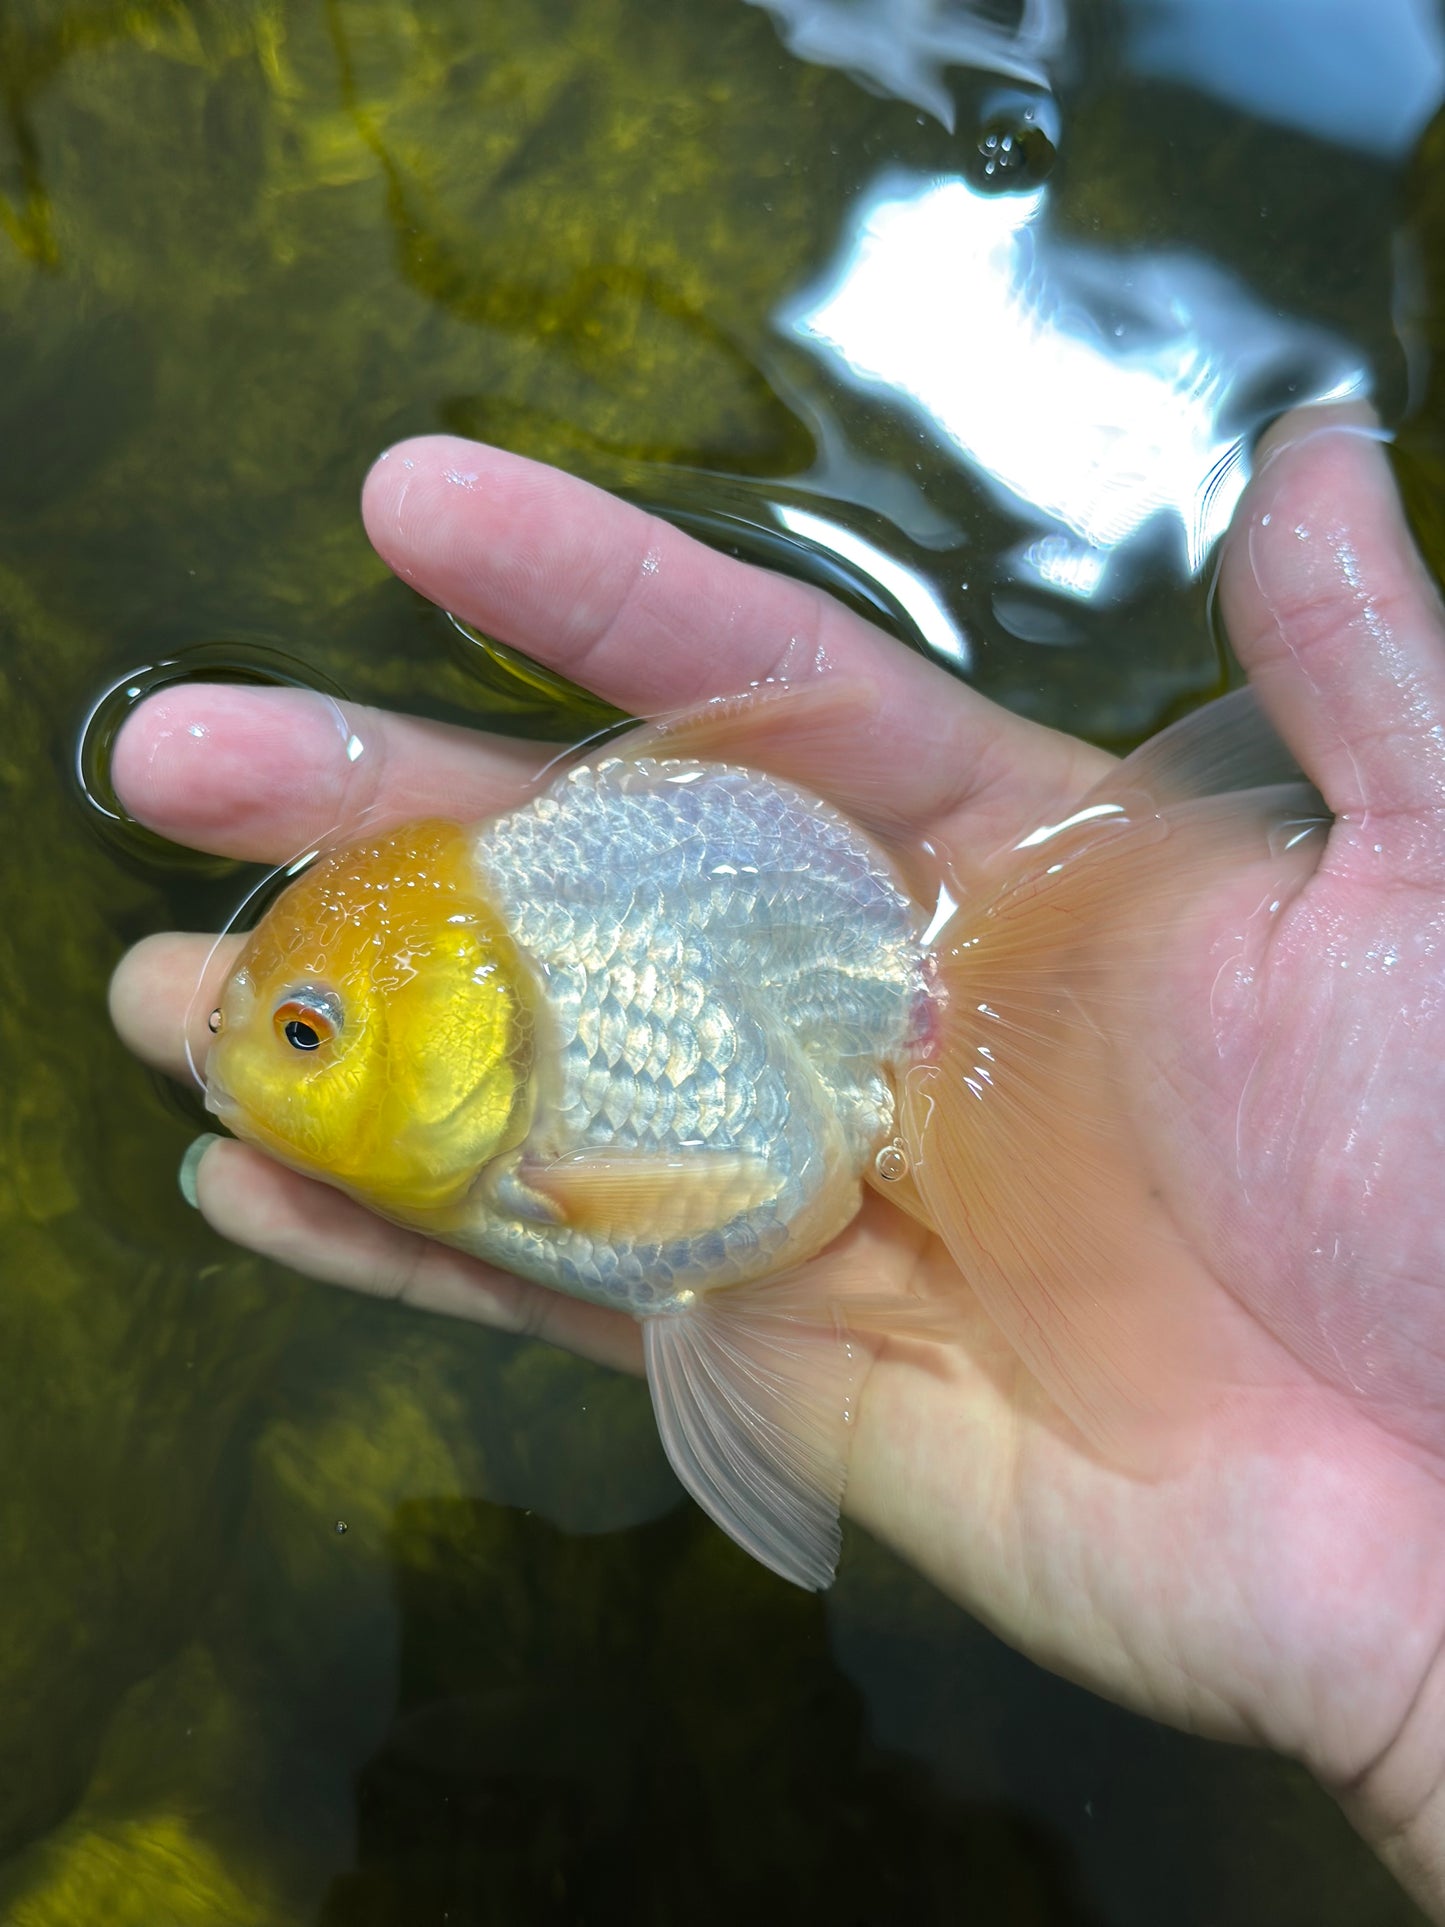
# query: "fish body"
644, 1038
729, 979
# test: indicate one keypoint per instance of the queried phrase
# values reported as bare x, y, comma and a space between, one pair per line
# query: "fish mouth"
219, 1100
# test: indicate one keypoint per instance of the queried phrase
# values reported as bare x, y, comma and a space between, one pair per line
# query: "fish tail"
1029, 1125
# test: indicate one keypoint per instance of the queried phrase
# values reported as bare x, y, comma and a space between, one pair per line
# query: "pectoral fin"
650, 1196
753, 1400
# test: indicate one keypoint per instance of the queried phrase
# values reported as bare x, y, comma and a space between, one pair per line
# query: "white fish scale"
725, 962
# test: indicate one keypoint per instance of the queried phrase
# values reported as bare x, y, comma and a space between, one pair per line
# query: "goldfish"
649, 1037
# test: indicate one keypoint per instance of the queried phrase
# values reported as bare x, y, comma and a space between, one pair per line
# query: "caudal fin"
1030, 1126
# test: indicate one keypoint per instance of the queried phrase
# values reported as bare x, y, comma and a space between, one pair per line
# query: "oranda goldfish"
644, 1039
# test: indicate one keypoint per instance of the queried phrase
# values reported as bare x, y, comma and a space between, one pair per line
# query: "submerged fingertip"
131, 993
117, 991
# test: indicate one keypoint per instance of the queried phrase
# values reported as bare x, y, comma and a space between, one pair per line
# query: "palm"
1244, 1592
1259, 1586
1307, 1519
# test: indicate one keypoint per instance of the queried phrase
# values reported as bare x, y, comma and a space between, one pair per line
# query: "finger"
265, 774
259, 1204
162, 993
653, 621
1332, 613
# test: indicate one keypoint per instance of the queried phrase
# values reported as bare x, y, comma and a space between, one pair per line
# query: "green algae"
139, 1872
119, 1379
145, 1845
311, 1609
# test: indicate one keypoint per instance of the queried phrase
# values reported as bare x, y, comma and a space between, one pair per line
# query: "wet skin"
1284, 1581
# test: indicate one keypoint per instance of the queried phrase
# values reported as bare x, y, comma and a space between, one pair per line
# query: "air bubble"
1013, 155
891, 1163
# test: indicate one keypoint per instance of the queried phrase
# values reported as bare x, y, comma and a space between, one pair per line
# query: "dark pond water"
313, 1611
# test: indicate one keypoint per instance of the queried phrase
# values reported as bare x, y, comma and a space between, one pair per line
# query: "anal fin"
753, 1387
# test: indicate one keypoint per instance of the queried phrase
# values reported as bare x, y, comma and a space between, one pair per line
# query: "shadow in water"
579, 1724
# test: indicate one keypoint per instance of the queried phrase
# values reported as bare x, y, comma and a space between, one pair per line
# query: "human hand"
1284, 1583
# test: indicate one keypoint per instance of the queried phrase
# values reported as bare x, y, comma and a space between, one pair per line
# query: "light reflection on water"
1093, 391
1368, 77
904, 48
936, 628
1096, 402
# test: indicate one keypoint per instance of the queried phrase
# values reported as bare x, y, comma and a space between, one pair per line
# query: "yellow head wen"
378, 1027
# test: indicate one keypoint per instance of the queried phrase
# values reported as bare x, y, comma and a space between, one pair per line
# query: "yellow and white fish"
644, 1038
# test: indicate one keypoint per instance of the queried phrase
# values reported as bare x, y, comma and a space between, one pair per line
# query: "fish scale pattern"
726, 963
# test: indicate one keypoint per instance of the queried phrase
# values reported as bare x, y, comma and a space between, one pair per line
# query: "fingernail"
191, 1163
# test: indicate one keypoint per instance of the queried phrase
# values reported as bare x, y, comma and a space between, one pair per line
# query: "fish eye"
307, 1019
